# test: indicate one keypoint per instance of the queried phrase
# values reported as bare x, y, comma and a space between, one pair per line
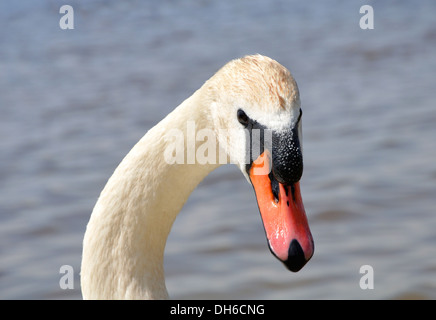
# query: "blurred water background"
74, 102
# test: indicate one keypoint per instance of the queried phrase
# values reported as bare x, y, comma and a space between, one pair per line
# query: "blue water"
73, 103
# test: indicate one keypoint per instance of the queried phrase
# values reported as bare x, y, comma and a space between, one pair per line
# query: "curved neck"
126, 235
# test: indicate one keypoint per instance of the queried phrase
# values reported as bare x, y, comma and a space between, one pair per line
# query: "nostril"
274, 187
296, 259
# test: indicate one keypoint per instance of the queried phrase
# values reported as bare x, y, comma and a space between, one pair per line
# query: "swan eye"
243, 118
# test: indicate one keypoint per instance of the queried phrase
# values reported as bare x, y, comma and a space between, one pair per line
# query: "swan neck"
126, 235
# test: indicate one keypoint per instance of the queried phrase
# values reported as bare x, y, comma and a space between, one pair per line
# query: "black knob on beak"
287, 158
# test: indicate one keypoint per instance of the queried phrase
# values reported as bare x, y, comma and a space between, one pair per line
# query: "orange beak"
285, 221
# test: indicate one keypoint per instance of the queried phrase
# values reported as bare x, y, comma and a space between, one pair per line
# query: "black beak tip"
296, 259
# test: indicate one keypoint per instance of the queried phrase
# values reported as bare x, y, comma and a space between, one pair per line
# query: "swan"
253, 96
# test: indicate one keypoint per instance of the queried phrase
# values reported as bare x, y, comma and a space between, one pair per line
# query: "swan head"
256, 112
